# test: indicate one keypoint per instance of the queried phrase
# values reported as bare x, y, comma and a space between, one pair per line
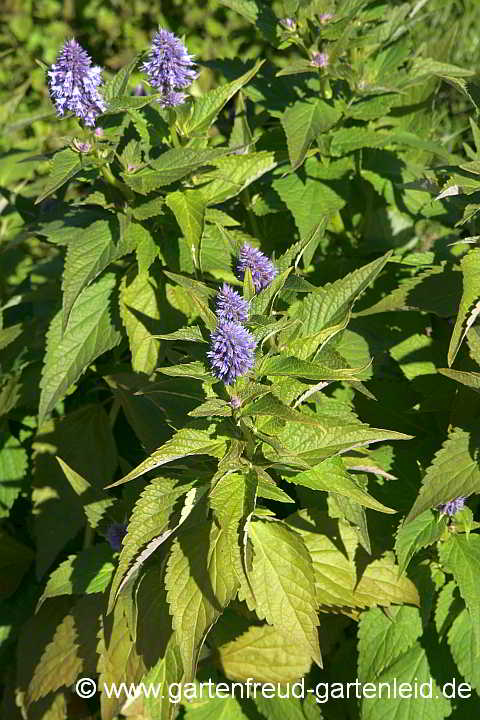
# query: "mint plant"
234, 447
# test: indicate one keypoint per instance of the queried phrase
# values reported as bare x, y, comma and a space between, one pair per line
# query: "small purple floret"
288, 23
73, 83
262, 269
115, 534
452, 506
169, 67
231, 305
325, 18
139, 90
232, 351
320, 59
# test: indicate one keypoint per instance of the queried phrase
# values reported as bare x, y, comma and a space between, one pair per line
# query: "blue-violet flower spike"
262, 269
452, 506
231, 305
232, 351
169, 67
73, 83
115, 534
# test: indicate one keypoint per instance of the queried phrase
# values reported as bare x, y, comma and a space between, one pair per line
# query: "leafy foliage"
296, 525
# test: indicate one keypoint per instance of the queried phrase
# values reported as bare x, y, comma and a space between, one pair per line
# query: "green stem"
110, 178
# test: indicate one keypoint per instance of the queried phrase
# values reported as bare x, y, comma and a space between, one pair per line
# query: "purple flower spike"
169, 67
73, 84
262, 269
231, 305
115, 534
320, 59
232, 353
452, 506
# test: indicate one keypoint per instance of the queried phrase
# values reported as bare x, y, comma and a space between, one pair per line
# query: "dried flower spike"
115, 534
452, 506
73, 83
169, 67
231, 305
232, 351
262, 269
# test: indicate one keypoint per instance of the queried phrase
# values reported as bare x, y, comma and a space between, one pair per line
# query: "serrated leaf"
283, 582
470, 379
454, 472
88, 572
213, 406
426, 529
460, 555
89, 334
65, 165
382, 639
140, 312
189, 209
294, 367
171, 166
217, 708
413, 668
461, 639
128, 102
64, 659
266, 653
95, 501
331, 476
165, 675
200, 583
302, 122
89, 252
13, 466
118, 84
470, 302
195, 369
380, 584
152, 522
206, 108
189, 334
235, 173
185, 442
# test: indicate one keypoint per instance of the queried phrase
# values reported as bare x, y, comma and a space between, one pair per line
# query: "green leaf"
13, 466
71, 653
140, 313
165, 675
65, 165
302, 122
189, 210
413, 668
189, 334
284, 706
293, 367
213, 406
117, 86
95, 501
206, 107
382, 639
185, 442
162, 507
426, 529
266, 653
470, 302
461, 639
470, 379
88, 572
331, 476
171, 166
460, 555
89, 334
89, 251
453, 473
235, 173
283, 583
127, 102
329, 308
217, 708
200, 583
195, 369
